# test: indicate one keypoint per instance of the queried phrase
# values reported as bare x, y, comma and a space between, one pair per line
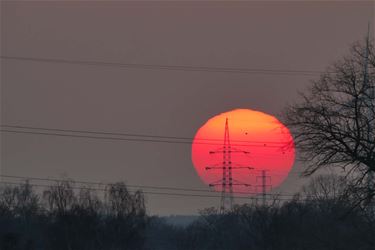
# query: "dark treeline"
63, 218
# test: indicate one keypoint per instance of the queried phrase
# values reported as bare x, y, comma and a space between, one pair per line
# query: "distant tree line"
62, 219
320, 217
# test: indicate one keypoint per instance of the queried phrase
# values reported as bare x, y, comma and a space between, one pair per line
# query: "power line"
145, 192
90, 137
235, 70
132, 134
124, 139
101, 183
131, 186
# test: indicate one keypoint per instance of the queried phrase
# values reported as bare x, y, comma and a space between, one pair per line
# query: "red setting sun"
258, 141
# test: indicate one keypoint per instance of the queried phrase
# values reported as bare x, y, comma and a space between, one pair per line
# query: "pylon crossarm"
228, 151
217, 167
236, 182
243, 167
237, 150
218, 182
214, 167
219, 150
214, 184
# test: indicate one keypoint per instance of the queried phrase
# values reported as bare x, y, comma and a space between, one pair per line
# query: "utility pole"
227, 182
264, 177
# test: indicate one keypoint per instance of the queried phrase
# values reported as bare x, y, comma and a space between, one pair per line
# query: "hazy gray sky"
263, 35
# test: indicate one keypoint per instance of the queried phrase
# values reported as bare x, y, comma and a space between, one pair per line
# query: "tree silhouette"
334, 124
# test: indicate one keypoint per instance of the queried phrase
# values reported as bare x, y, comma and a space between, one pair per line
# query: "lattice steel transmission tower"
227, 182
264, 177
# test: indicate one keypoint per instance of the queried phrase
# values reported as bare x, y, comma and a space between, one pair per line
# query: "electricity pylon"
264, 177
227, 182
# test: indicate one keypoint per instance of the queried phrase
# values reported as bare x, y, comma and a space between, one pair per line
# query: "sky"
265, 35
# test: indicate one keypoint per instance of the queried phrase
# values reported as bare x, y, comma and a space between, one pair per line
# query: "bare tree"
7, 201
21, 200
122, 203
60, 197
334, 124
126, 218
89, 200
325, 187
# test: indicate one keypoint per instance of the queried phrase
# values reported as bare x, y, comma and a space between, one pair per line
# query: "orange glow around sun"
261, 140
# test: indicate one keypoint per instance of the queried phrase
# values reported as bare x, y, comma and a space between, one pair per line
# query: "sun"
259, 142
